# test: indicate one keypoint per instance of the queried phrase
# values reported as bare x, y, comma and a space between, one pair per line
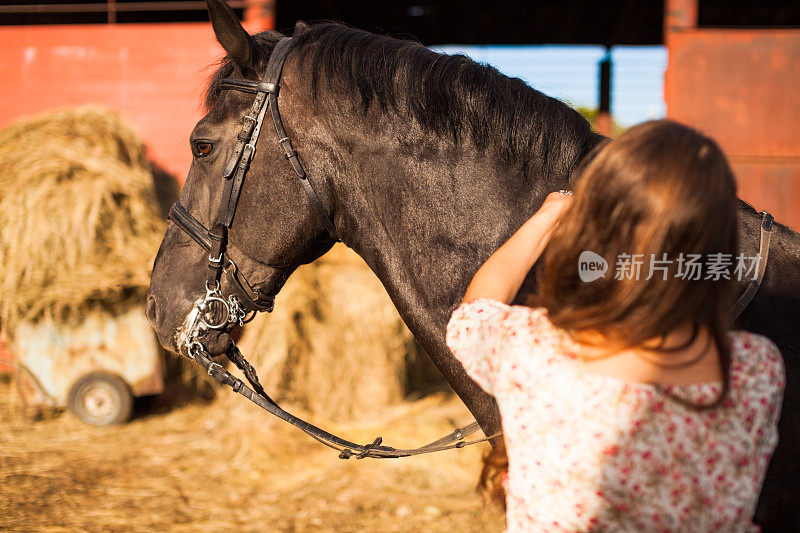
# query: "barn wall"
742, 87
152, 74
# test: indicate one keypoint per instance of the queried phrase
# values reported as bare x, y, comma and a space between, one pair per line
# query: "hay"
207, 468
79, 220
334, 344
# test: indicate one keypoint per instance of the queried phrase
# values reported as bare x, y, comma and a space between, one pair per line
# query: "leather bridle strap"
190, 225
269, 89
239, 163
763, 254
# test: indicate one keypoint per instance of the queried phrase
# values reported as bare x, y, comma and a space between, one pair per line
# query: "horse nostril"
150, 309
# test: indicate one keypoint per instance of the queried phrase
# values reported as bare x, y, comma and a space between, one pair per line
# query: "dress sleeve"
768, 378
480, 333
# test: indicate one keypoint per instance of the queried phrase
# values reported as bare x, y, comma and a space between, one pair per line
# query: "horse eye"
203, 148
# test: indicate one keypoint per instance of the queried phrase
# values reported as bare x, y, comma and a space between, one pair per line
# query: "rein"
763, 255
214, 311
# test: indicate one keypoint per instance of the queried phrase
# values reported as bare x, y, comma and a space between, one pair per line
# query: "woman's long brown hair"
661, 190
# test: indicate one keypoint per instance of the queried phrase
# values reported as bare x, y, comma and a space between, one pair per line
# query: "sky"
571, 73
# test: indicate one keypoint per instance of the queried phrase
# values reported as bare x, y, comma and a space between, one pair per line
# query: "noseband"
214, 311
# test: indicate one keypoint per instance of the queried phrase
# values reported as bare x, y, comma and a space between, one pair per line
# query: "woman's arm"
501, 276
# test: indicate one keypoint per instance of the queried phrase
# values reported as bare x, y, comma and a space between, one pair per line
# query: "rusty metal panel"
775, 187
57, 355
742, 87
679, 15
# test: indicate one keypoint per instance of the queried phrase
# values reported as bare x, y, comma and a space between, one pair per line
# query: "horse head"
260, 228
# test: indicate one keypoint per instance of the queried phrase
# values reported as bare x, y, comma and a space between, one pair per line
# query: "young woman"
627, 404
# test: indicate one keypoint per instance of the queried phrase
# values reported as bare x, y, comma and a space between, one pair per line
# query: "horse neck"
422, 211
425, 213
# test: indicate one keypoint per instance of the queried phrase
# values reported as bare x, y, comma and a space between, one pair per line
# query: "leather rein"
215, 311
763, 255
240, 307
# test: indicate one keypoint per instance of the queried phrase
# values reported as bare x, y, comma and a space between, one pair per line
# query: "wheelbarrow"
94, 368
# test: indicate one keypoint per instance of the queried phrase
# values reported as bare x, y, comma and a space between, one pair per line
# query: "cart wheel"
101, 399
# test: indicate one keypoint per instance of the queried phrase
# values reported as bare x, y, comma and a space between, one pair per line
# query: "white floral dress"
591, 452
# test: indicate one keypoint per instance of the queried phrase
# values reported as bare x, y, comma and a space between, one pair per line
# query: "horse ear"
300, 27
230, 34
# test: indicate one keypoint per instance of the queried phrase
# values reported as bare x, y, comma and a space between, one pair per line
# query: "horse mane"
449, 95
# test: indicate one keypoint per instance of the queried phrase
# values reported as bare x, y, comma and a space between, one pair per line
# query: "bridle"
240, 307
215, 240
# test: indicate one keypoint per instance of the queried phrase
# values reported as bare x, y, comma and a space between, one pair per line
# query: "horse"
423, 164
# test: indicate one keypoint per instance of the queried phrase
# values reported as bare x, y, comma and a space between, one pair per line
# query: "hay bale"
335, 343
79, 218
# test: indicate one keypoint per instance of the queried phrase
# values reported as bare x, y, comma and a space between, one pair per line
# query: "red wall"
741, 87
152, 74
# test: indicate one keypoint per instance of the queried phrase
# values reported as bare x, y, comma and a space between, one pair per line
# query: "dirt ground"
226, 466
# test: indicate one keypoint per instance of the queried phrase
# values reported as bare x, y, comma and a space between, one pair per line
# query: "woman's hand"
502, 274
556, 203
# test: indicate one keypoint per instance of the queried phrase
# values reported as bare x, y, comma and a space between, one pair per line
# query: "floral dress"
592, 452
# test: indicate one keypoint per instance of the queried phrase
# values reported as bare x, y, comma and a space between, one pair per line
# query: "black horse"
427, 163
